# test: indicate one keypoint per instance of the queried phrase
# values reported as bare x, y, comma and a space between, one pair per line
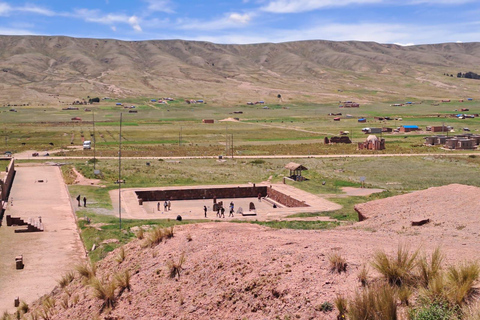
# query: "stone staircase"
33, 225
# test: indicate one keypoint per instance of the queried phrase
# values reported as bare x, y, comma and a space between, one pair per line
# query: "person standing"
85, 202
165, 205
78, 200
205, 210
158, 206
222, 212
232, 206
169, 204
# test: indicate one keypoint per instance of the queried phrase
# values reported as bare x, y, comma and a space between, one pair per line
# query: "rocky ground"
245, 271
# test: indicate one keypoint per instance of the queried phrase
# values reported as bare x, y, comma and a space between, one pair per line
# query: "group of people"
166, 205
84, 201
221, 210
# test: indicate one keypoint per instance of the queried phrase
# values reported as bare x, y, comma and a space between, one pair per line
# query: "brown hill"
245, 271
35, 67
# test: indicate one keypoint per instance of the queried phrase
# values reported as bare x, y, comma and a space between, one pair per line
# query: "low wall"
220, 193
202, 193
5, 186
284, 199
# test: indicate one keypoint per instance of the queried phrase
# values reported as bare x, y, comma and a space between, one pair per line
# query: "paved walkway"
47, 255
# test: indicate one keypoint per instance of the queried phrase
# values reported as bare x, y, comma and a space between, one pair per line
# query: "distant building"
372, 143
409, 128
208, 121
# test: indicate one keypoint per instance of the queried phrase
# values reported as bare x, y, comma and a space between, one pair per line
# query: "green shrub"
434, 311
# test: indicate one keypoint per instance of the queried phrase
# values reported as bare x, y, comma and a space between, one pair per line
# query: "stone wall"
201, 193
284, 199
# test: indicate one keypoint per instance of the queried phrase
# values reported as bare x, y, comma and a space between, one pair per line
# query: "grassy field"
177, 128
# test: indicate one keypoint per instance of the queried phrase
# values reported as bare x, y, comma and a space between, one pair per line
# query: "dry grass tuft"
154, 237
86, 271
157, 235
140, 234
337, 263
123, 281
121, 256
397, 270
378, 303
341, 304
363, 276
174, 268
168, 232
428, 270
461, 280
66, 279
104, 291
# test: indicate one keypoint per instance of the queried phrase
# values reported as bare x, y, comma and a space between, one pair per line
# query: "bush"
341, 304
434, 311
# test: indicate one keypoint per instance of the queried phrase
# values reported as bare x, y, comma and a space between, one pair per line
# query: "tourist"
78, 199
84, 202
158, 206
169, 204
205, 210
165, 205
232, 206
222, 212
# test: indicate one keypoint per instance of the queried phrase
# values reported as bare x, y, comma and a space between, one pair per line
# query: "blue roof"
411, 127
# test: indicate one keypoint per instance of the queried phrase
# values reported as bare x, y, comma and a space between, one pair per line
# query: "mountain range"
56, 69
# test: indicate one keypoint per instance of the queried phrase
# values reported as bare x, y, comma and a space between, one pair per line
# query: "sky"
404, 22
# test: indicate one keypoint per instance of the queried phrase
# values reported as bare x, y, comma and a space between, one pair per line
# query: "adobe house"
430, 141
208, 121
296, 171
409, 128
460, 144
439, 129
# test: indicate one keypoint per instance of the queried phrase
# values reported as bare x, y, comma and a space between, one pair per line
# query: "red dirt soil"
246, 271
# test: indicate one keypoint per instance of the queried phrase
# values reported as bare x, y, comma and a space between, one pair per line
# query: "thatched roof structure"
295, 166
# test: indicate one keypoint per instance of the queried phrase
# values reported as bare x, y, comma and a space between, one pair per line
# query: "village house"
372, 143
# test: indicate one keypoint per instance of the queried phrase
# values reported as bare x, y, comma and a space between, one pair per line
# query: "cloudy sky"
403, 22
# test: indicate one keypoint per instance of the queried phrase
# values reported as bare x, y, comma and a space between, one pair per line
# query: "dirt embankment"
236, 271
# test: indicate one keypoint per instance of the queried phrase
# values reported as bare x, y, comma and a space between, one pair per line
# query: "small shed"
362, 120
208, 121
296, 171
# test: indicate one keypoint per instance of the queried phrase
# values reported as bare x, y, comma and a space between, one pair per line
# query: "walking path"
47, 255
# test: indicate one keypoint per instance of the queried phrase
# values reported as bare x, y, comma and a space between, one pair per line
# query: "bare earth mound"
242, 271
449, 209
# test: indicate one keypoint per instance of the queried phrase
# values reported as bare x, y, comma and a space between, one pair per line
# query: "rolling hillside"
34, 69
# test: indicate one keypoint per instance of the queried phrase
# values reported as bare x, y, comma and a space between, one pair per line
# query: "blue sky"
403, 22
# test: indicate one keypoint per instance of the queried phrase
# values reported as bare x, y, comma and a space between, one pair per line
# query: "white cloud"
240, 18
229, 21
35, 9
160, 6
294, 6
108, 19
133, 21
114, 29
5, 9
